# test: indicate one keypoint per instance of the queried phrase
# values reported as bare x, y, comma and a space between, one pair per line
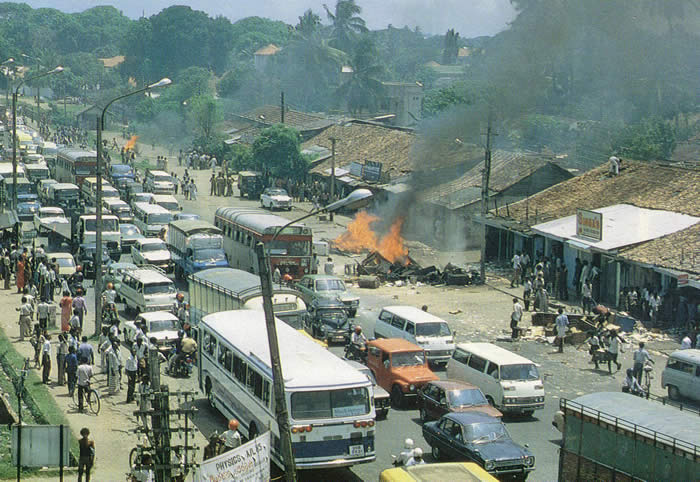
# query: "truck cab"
86, 231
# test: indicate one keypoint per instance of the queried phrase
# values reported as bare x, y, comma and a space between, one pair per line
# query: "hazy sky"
470, 18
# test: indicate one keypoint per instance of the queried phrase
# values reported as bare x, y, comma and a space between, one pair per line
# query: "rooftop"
269, 49
272, 114
112, 61
680, 251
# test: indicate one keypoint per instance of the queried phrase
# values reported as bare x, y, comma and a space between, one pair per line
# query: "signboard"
41, 445
372, 171
248, 463
683, 279
589, 224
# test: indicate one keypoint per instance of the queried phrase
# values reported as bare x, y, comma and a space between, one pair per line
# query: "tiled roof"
271, 114
269, 49
357, 141
507, 168
644, 184
679, 251
112, 61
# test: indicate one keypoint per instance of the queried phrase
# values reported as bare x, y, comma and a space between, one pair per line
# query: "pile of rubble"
408, 269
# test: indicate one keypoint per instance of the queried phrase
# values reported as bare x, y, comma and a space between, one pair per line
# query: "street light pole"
353, 200
15, 94
98, 201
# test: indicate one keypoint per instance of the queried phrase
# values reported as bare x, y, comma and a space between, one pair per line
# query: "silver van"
146, 289
682, 375
431, 333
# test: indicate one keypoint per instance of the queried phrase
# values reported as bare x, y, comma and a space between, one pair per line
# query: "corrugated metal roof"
234, 280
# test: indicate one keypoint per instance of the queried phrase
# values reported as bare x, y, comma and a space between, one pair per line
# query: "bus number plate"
357, 450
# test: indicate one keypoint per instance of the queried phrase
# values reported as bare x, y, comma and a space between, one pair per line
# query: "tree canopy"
277, 150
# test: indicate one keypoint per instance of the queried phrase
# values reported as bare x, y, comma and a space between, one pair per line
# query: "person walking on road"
562, 323
131, 368
614, 349
212, 183
193, 190
515, 318
61, 354
640, 357
66, 305
70, 365
516, 269
46, 359
87, 454
84, 375
80, 305
25, 319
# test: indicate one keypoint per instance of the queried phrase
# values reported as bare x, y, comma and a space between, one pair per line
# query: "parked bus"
330, 403
243, 228
221, 289
74, 165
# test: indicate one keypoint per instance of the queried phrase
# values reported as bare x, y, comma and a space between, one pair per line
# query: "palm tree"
363, 90
347, 23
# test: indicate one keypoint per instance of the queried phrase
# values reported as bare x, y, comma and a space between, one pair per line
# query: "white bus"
331, 412
151, 218
220, 289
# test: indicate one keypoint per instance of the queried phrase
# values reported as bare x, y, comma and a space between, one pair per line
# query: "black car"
479, 438
327, 319
86, 258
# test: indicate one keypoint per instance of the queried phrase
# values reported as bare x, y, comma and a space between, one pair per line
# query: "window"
493, 370
266, 393
477, 363
385, 316
398, 322
239, 369
255, 383
525, 371
348, 402
410, 328
680, 366
227, 360
460, 356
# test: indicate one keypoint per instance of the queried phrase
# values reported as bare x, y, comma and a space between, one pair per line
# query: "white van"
159, 182
510, 382
119, 208
431, 333
682, 375
167, 201
151, 218
146, 289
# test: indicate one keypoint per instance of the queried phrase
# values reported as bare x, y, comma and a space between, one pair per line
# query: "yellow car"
462, 471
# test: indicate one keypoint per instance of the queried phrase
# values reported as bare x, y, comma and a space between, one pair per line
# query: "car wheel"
528, 413
673, 393
423, 415
396, 396
435, 452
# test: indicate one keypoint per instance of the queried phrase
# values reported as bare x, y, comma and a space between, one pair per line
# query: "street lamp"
355, 199
98, 201
56, 70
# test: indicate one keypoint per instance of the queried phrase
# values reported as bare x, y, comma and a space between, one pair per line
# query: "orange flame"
131, 143
360, 237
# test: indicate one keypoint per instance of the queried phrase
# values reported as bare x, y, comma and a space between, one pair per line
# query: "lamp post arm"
279, 230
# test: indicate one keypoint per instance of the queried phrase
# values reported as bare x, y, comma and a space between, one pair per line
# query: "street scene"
256, 283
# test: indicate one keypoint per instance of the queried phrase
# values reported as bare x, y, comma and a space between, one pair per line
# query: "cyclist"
631, 385
84, 375
640, 357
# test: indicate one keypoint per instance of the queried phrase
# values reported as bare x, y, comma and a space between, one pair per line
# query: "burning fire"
360, 236
131, 143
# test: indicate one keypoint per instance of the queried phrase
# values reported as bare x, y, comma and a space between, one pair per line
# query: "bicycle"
647, 377
91, 398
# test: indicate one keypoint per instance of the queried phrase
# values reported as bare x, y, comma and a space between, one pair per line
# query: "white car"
152, 251
66, 263
161, 325
48, 219
276, 198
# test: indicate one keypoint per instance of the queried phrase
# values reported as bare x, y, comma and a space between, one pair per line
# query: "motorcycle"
353, 352
181, 366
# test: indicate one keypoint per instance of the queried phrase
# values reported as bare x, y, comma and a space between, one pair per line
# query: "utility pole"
282, 107
486, 175
332, 190
98, 232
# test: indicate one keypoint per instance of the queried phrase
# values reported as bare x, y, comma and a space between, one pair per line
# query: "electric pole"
332, 189
486, 175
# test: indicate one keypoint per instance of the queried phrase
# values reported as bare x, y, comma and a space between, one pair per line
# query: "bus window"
266, 393
255, 383
222, 355
239, 369
211, 349
228, 360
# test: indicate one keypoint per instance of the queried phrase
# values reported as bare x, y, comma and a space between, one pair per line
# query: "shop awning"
623, 225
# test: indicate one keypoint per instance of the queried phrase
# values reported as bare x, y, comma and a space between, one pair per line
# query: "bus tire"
210, 395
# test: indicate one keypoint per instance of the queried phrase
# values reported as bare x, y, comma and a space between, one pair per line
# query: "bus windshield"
348, 402
201, 255
85, 170
159, 218
108, 225
281, 247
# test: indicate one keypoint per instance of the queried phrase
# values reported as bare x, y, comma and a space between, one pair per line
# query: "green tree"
204, 114
346, 24
438, 100
364, 90
651, 139
451, 48
277, 150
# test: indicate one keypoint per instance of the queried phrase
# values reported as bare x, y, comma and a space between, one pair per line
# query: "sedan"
130, 233
275, 198
314, 286
152, 251
480, 438
444, 396
161, 325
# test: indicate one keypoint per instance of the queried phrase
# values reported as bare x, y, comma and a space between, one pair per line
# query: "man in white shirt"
42, 314
46, 359
686, 343
84, 375
516, 269
640, 357
614, 349
515, 318
562, 323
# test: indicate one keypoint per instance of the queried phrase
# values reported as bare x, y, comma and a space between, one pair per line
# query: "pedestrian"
515, 262
212, 182
66, 305
25, 319
87, 454
70, 365
193, 190
329, 267
61, 354
102, 344
593, 347
527, 293
186, 189
19, 274
211, 450
6, 269
277, 275
42, 314
562, 323
80, 305
515, 318
686, 342
114, 367
614, 349
587, 297
640, 357
131, 367
231, 438
141, 352
86, 351
46, 359
84, 374
74, 325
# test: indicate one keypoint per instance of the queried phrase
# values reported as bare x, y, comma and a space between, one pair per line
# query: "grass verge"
38, 405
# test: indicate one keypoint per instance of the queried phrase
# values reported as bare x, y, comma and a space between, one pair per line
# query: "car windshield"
349, 402
158, 288
123, 209
432, 329
330, 285
160, 218
408, 359
129, 229
277, 192
170, 206
479, 433
150, 247
525, 371
162, 325
335, 318
108, 225
201, 255
163, 178
108, 193
142, 198
466, 397
69, 193
65, 262
82, 170
51, 214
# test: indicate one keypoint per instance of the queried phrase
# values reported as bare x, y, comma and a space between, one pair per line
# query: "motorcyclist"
76, 279
188, 347
631, 385
358, 339
417, 458
406, 454
179, 301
